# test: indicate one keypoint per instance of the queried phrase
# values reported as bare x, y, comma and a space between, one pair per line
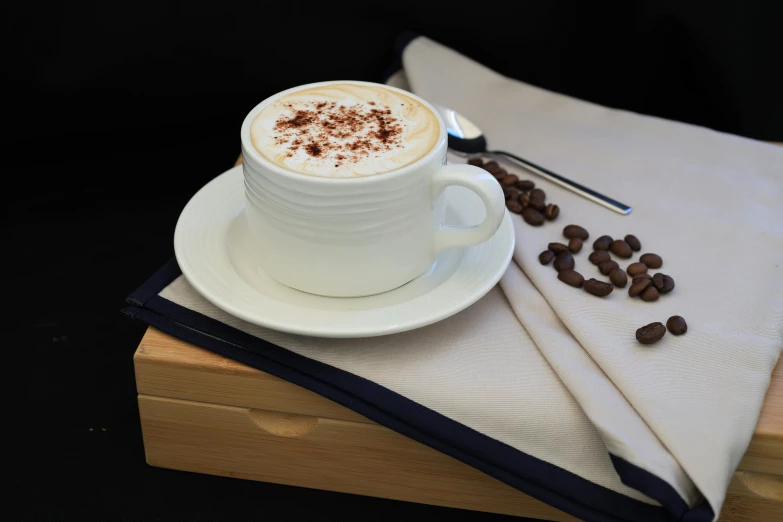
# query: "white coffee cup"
349, 237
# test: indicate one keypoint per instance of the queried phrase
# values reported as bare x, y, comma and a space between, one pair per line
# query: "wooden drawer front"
169, 367
335, 455
362, 458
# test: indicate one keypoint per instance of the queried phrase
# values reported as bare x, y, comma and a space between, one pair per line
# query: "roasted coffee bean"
499, 174
575, 245
602, 243
634, 269
510, 180
607, 266
478, 162
575, 231
651, 333
599, 288
650, 294
663, 283
571, 277
514, 206
533, 217
651, 260
491, 166
620, 248
524, 199
537, 203
642, 276
618, 277
546, 257
538, 194
551, 212
633, 242
676, 325
557, 248
599, 256
638, 286
512, 193
668, 285
526, 185
564, 261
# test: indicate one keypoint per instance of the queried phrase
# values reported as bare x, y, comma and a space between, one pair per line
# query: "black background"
116, 113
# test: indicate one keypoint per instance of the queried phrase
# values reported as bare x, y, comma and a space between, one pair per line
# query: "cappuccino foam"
344, 130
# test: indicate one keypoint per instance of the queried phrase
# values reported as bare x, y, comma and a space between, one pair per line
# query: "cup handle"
487, 188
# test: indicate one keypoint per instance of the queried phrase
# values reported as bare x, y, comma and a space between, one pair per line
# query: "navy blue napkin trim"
538, 478
153, 286
654, 487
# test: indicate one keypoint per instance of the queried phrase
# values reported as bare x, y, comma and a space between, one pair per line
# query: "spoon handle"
573, 186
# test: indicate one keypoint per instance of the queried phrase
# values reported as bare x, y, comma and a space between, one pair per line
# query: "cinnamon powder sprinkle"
338, 133
313, 149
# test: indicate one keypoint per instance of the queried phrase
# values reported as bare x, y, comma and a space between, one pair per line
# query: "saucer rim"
301, 327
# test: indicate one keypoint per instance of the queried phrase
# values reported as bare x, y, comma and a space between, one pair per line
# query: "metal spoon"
467, 139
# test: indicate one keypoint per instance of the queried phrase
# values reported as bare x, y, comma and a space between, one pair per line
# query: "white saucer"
214, 250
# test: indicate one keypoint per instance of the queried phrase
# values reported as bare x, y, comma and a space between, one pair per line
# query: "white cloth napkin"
557, 373
709, 203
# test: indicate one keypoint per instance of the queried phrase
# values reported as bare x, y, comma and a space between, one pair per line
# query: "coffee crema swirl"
344, 130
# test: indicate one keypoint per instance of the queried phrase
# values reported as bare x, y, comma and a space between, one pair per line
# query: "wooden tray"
204, 413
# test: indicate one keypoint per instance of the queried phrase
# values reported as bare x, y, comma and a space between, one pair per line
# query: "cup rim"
249, 151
